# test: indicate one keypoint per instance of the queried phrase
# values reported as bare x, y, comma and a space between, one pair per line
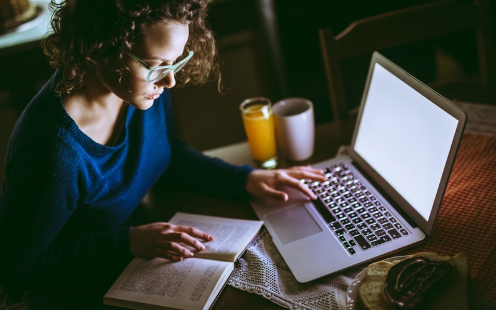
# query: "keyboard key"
356, 205
346, 244
372, 237
350, 226
340, 232
404, 232
375, 226
342, 238
370, 221
354, 232
378, 242
361, 226
387, 226
377, 214
352, 242
366, 231
394, 233
382, 220
357, 220
380, 232
328, 217
351, 250
336, 225
362, 242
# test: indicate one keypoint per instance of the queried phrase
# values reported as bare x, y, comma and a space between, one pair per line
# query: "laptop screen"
406, 138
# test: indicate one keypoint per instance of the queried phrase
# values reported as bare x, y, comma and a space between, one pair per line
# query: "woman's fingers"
160, 252
194, 232
297, 184
274, 194
268, 183
307, 172
176, 238
167, 240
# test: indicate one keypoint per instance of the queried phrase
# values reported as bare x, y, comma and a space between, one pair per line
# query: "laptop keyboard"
353, 213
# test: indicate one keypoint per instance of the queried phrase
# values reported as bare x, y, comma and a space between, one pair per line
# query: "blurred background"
267, 48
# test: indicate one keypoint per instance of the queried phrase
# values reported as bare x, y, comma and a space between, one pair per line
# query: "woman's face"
162, 44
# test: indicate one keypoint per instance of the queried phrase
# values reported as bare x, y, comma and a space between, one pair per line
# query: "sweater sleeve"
200, 172
41, 194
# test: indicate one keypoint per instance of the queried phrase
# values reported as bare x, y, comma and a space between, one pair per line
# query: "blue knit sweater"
66, 198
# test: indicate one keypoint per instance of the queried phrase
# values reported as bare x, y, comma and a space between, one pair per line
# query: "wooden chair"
406, 26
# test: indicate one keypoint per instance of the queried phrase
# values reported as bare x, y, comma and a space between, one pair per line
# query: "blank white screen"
406, 138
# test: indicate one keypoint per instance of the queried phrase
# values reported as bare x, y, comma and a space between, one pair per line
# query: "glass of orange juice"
259, 127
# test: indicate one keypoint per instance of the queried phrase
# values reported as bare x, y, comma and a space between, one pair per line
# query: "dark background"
276, 60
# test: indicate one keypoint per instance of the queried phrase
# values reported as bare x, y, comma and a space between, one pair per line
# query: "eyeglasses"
157, 73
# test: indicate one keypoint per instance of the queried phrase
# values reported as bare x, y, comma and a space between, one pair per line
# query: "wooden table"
466, 223
329, 137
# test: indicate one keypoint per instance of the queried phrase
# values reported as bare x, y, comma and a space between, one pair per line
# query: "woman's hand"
263, 183
166, 240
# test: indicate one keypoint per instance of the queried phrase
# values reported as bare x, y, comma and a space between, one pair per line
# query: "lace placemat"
263, 271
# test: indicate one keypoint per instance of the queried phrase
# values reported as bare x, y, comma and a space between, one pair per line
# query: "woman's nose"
168, 81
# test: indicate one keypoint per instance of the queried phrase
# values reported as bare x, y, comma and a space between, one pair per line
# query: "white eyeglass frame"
174, 68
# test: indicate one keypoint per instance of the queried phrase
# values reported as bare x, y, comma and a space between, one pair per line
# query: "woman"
99, 135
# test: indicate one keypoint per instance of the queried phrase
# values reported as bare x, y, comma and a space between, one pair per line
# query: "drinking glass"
259, 128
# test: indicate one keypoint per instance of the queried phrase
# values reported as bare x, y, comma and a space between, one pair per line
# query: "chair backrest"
405, 26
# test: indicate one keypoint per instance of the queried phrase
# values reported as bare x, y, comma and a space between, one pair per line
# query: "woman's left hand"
263, 183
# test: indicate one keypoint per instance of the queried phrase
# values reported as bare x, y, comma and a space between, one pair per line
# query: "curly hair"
88, 33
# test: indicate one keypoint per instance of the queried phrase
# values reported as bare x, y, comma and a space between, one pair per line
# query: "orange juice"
259, 127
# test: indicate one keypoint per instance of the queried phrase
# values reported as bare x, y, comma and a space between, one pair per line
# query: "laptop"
384, 194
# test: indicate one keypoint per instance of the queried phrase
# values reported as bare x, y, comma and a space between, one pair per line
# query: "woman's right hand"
166, 240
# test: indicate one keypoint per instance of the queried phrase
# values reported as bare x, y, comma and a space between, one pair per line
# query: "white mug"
295, 128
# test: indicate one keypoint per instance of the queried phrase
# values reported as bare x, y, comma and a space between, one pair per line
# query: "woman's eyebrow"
161, 59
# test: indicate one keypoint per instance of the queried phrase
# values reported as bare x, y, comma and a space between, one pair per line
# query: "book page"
191, 284
231, 236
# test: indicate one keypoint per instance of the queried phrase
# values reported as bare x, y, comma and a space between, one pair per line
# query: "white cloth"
262, 270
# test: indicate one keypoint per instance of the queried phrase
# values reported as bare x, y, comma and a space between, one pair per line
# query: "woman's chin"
143, 104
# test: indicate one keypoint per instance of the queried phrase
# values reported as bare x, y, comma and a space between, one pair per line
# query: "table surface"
29, 34
334, 134
466, 221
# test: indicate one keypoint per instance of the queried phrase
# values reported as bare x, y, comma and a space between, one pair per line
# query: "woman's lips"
153, 97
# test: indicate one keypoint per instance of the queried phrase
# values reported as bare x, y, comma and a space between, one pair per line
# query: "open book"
193, 283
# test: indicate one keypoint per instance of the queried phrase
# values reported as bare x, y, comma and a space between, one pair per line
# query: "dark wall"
299, 21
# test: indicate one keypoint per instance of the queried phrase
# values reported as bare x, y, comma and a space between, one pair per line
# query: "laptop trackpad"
293, 223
